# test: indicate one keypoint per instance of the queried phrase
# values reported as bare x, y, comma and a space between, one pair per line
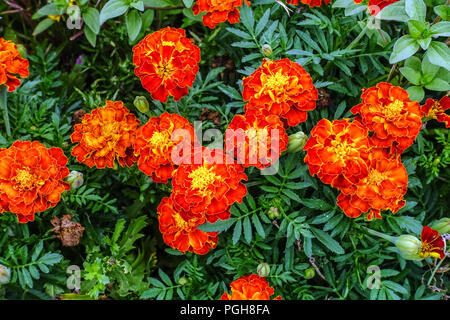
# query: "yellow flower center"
180, 222
110, 129
202, 178
25, 179
164, 70
434, 110
342, 149
273, 84
375, 177
426, 251
161, 142
393, 110
168, 43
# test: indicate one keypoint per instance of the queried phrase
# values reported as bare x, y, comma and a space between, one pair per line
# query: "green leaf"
257, 224
424, 43
165, 278
328, 241
439, 54
441, 29
90, 35
395, 286
42, 26
188, 3
134, 23
417, 28
151, 293
429, 68
247, 18
316, 204
438, 85
50, 258
262, 22
218, 226
237, 232
239, 33
292, 195
443, 11
405, 47
91, 18
138, 5
247, 230
412, 75
49, 10
394, 12
416, 9
342, 3
112, 9
416, 93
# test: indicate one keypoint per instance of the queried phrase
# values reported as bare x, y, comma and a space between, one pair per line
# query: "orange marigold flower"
383, 188
218, 11
251, 287
433, 245
337, 152
435, 109
391, 115
375, 6
206, 184
283, 88
31, 178
167, 63
155, 141
311, 3
257, 138
11, 65
105, 135
182, 234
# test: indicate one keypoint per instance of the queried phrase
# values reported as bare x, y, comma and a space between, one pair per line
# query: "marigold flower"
218, 11
207, 184
31, 178
105, 135
251, 287
311, 3
11, 65
182, 234
375, 6
433, 245
337, 152
435, 109
258, 139
167, 63
391, 115
283, 88
383, 188
155, 141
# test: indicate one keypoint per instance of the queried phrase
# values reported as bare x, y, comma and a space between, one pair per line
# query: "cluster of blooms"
367, 168
218, 11
251, 287
11, 65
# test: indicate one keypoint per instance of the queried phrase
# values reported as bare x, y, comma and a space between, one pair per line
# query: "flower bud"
409, 247
442, 225
75, 179
267, 50
263, 269
141, 104
183, 281
273, 213
310, 273
296, 142
5, 274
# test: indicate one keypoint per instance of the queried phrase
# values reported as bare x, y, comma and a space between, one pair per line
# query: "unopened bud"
183, 281
310, 273
5, 274
442, 225
409, 247
75, 179
263, 269
267, 50
297, 141
273, 213
141, 104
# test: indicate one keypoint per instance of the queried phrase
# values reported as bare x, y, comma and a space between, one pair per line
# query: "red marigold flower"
251, 287
182, 234
31, 178
311, 3
105, 135
337, 152
218, 11
206, 184
435, 109
257, 138
383, 188
11, 65
155, 142
283, 88
394, 118
433, 245
167, 63
375, 6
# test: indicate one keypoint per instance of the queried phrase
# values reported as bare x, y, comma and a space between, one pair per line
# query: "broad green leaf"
416, 93
405, 47
417, 28
134, 23
438, 85
92, 19
42, 26
416, 9
439, 54
394, 12
441, 29
412, 75
113, 9
443, 11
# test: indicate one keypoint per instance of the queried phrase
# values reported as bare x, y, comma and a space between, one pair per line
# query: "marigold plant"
218, 11
155, 142
251, 287
105, 135
167, 63
31, 178
182, 234
311, 3
12, 65
436, 109
433, 245
283, 88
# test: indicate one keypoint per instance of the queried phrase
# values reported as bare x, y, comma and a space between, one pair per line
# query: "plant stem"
434, 271
381, 235
4, 106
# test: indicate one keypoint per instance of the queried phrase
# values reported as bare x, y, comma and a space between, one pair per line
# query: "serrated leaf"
328, 241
